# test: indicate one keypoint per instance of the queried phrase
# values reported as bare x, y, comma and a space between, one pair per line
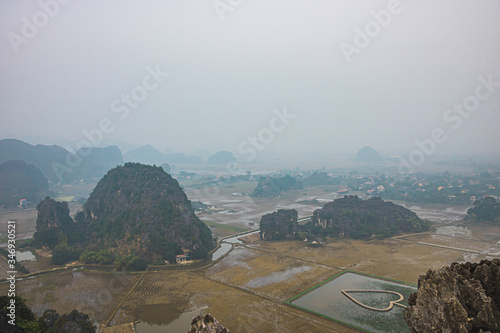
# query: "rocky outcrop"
456, 299
353, 217
53, 222
142, 209
206, 324
368, 155
279, 225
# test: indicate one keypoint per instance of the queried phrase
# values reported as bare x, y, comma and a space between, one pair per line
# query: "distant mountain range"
146, 154
19, 180
58, 164
149, 155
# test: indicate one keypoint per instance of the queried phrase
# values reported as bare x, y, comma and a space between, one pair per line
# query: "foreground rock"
459, 298
206, 324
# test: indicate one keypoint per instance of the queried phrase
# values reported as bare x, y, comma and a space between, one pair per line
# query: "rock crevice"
458, 298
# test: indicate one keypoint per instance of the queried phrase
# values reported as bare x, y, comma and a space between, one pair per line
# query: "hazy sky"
231, 63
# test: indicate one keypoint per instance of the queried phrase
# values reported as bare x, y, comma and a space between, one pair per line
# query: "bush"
131, 263
199, 253
103, 257
139, 264
64, 253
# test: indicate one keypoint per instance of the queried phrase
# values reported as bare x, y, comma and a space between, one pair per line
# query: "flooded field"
237, 208
372, 304
241, 210
441, 214
247, 286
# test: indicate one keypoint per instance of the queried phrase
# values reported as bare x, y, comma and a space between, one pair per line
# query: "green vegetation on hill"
486, 209
54, 225
19, 180
135, 213
360, 219
269, 187
279, 225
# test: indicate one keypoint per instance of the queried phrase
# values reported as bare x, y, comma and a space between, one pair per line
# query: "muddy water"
164, 318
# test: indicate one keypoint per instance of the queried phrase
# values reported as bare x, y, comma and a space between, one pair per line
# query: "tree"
64, 253
25, 319
75, 321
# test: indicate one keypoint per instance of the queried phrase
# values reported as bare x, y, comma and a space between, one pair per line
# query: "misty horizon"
196, 79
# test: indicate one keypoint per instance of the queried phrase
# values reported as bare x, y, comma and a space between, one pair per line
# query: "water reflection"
329, 301
226, 244
162, 318
235, 240
222, 250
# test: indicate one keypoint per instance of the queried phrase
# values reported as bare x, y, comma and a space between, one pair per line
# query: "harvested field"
457, 242
96, 294
403, 261
238, 310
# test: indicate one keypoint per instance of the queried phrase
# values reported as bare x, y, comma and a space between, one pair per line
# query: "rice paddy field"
365, 302
95, 293
248, 288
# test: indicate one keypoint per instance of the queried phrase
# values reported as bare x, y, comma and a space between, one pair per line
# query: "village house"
182, 259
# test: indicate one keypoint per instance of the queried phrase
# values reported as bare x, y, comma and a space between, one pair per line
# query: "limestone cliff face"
456, 299
206, 324
53, 223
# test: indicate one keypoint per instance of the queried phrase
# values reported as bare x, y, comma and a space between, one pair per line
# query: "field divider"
118, 307
447, 247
